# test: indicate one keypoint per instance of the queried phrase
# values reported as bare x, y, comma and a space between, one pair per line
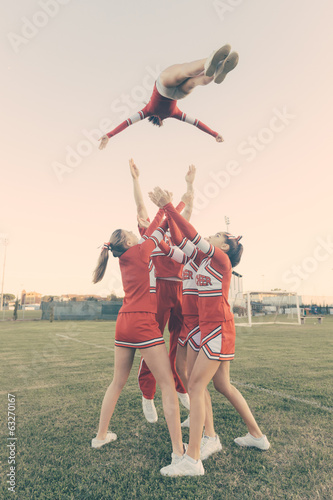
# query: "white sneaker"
177, 458
209, 445
149, 410
186, 422
98, 443
223, 68
262, 443
216, 57
184, 399
185, 467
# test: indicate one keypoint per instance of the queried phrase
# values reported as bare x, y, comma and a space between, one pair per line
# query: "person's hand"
219, 138
135, 172
160, 197
187, 197
104, 140
190, 176
155, 199
143, 222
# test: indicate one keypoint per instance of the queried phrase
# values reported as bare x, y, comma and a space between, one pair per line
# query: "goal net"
265, 308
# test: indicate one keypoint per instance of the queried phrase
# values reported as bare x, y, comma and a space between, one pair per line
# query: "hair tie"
231, 237
108, 246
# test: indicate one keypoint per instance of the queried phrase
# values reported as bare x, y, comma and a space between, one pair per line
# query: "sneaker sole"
219, 56
228, 66
252, 446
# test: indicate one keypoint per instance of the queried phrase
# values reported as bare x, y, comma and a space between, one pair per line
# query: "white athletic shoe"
184, 399
98, 443
149, 410
186, 422
223, 68
209, 446
262, 443
216, 57
187, 466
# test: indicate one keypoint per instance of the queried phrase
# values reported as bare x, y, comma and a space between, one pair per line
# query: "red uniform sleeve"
154, 235
174, 253
190, 232
150, 244
176, 235
179, 115
140, 115
155, 223
180, 207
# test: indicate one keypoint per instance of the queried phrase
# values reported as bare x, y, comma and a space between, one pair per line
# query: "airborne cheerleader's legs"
187, 76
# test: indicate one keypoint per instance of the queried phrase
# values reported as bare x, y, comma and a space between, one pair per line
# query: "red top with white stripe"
164, 267
213, 275
164, 108
138, 275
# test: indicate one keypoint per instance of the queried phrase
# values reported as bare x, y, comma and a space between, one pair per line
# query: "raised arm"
140, 206
189, 195
203, 245
179, 115
174, 253
153, 237
140, 115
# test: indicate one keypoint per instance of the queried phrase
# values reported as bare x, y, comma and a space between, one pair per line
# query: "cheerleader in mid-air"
137, 328
176, 82
222, 252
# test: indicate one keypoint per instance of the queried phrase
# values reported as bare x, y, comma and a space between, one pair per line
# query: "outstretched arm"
140, 115
179, 115
140, 206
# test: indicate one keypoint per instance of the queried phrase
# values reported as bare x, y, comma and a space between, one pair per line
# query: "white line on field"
82, 342
286, 396
242, 384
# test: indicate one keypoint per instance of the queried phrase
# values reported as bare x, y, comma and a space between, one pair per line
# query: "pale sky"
87, 61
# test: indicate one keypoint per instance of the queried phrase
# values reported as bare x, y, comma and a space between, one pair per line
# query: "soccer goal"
266, 308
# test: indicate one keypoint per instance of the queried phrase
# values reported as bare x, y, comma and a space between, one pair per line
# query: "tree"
7, 297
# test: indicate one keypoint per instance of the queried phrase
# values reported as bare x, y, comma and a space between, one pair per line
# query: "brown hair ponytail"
117, 246
235, 249
99, 272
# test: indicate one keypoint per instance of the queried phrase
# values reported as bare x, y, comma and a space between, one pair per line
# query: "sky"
73, 69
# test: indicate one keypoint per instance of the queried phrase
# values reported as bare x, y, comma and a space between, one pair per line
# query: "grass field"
59, 371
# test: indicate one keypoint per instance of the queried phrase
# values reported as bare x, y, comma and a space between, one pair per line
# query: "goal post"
266, 308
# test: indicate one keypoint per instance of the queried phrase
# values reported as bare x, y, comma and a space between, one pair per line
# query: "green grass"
21, 315
59, 385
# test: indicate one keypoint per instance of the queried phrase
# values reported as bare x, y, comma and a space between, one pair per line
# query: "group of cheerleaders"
171, 274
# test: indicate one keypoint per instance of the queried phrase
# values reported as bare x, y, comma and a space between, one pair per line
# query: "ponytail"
99, 272
235, 249
116, 245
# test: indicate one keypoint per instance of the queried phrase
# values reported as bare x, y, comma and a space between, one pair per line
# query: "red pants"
169, 308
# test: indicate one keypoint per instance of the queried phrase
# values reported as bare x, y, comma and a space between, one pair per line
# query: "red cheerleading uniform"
213, 282
190, 256
136, 325
169, 310
164, 108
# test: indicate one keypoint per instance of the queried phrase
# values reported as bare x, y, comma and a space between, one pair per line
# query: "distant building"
30, 298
